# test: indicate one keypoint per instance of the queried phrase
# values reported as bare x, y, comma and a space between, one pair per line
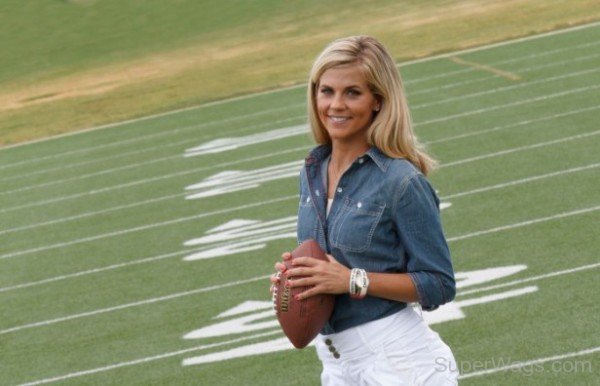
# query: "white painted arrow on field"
233, 181
225, 144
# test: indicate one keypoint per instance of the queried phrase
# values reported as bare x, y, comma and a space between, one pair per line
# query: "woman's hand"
280, 268
327, 277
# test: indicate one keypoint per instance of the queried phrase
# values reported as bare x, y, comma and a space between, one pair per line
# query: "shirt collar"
321, 152
380, 159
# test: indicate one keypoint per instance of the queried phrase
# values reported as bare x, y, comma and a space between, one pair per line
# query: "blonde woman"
365, 199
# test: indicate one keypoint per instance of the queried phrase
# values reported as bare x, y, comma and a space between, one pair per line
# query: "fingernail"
297, 297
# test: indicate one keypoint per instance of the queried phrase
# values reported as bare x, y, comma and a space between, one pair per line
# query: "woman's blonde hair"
391, 130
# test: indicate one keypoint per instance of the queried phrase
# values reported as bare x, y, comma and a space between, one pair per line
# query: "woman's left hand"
327, 277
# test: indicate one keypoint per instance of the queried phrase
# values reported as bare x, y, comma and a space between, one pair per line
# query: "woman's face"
345, 104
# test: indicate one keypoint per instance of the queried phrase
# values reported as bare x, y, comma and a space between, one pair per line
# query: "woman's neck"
342, 154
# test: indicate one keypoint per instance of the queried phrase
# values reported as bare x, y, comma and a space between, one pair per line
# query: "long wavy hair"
391, 129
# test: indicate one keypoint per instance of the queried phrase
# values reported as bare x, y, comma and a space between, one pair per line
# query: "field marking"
188, 141
483, 67
192, 292
134, 304
202, 125
525, 223
158, 134
254, 138
267, 92
90, 214
183, 219
529, 279
196, 126
521, 181
519, 365
505, 88
486, 78
249, 128
93, 270
160, 257
142, 227
185, 351
446, 139
520, 148
148, 359
520, 123
435, 120
511, 104
152, 179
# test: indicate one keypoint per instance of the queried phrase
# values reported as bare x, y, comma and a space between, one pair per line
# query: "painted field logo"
255, 319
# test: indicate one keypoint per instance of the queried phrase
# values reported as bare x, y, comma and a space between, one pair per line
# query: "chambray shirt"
384, 218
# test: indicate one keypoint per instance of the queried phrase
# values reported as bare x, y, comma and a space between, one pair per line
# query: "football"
302, 320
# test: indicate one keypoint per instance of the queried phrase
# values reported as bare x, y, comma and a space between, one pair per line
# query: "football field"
139, 252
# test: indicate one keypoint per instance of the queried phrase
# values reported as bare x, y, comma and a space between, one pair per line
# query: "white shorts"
399, 349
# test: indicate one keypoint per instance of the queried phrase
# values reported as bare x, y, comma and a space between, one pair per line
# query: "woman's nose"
337, 102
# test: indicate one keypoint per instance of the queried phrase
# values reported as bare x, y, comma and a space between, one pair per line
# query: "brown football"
302, 320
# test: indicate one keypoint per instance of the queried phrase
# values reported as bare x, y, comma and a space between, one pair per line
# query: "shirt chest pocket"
354, 225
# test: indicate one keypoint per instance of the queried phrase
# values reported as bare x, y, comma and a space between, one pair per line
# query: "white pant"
399, 349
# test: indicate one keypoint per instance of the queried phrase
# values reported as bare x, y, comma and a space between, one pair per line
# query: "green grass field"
108, 262
72, 64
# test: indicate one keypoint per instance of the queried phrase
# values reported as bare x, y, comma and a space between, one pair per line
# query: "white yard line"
526, 122
93, 270
487, 77
529, 279
506, 88
142, 228
511, 104
148, 180
435, 120
203, 125
162, 146
268, 92
145, 163
269, 124
180, 253
134, 304
192, 292
162, 133
524, 223
150, 359
145, 202
202, 347
520, 365
183, 219
521, 181
520, 148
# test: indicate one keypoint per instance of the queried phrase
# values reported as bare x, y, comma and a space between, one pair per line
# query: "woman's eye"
353, 92
325, 91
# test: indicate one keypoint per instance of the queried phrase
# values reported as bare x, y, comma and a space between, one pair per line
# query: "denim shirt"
384, 218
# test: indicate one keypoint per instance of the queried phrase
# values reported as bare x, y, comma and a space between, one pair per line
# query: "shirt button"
328, 342
359, 205
307, 199
336, 355
317, 193
339, 190
361, 160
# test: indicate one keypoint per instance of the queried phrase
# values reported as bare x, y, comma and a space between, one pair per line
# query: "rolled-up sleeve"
427, 255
